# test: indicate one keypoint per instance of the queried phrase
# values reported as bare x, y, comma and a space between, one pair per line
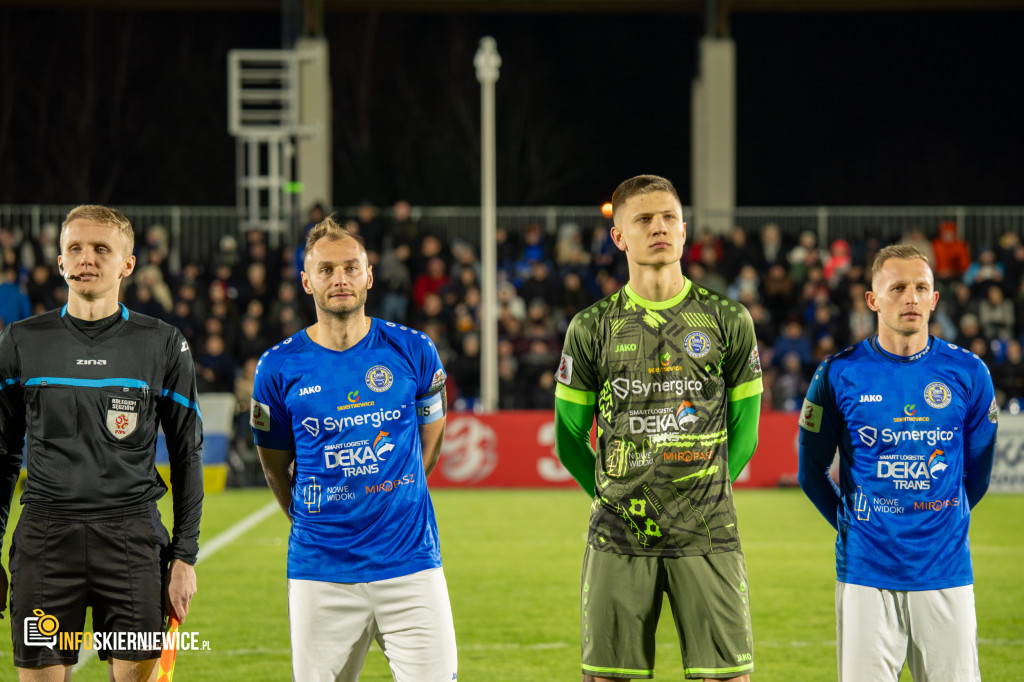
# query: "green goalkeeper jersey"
664, 374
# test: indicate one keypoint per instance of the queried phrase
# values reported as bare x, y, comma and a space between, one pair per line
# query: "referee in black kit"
87, 385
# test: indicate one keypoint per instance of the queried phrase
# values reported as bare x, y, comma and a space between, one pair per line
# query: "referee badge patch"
122, 416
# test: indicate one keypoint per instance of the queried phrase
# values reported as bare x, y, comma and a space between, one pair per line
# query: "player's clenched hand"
181, 587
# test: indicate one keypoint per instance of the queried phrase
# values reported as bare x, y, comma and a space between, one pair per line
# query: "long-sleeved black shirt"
89, 409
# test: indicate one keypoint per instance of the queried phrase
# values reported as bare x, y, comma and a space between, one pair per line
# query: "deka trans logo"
42, 629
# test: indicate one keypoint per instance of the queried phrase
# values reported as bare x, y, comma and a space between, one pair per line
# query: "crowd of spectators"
806, 300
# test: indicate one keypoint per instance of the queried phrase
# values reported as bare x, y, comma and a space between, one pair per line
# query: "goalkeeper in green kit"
672, 374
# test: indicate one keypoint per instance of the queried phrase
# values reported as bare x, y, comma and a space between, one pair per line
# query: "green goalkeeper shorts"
620, 604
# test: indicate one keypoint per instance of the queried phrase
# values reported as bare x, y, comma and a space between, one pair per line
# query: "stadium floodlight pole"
487, 62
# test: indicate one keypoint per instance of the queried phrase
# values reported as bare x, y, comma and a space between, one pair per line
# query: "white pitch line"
234, 532
210, 548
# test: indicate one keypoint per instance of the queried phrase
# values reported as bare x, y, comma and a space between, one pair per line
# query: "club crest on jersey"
122, 416
379, 378
697, 344
937, 395
993, 411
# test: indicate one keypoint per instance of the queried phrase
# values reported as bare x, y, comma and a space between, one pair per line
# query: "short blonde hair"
332, 231
640, 184
109, 217
901, 251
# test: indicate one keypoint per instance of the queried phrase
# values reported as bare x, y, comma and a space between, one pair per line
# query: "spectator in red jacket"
951, 255
433, 281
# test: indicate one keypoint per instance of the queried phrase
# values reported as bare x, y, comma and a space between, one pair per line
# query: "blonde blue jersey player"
359, 502
915, 454
348, 416
913, 419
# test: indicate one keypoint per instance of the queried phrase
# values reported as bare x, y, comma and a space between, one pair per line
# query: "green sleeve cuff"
574, 395
746, 390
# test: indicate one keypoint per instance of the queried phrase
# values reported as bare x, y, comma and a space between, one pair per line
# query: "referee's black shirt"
89, 403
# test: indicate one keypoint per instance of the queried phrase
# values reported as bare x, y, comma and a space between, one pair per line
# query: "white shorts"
934, 631
332, 625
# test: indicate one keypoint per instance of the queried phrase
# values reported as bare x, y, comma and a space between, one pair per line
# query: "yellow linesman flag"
170, 653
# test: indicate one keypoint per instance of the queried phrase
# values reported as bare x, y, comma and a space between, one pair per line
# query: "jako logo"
308, 390
871, 398
623, 347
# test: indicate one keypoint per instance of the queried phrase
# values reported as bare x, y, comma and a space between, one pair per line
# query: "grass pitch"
512, 560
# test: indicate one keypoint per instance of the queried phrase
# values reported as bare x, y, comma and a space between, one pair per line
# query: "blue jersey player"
348, 416
914, 421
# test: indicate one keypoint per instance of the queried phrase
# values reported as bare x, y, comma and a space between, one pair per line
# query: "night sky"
833, 109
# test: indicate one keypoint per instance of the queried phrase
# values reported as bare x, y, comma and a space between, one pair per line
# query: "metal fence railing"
196, 231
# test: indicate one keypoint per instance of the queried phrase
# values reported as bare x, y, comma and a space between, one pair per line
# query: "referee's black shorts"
62, 562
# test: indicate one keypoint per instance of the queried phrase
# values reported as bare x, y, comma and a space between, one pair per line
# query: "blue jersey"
915, 437
360, 507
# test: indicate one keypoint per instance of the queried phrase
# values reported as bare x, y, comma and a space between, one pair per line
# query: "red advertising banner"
516, 449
